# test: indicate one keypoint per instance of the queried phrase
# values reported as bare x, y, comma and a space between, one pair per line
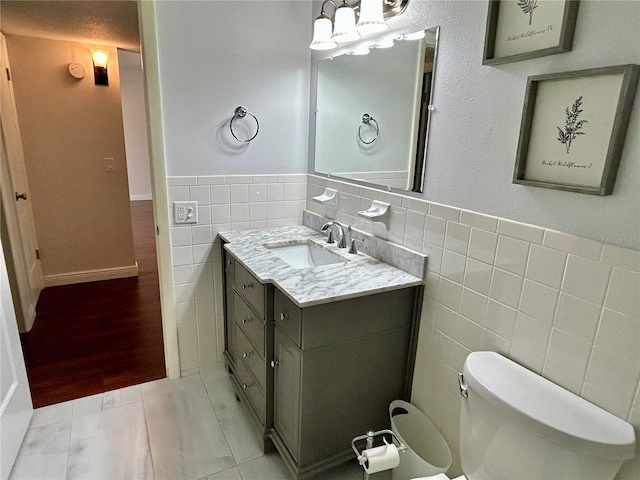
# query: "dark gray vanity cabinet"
249, 342
316, 377
337, 367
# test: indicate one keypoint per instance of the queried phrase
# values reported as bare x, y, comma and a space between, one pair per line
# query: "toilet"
515, 424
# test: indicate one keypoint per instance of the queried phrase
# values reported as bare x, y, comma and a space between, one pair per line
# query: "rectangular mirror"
372, 114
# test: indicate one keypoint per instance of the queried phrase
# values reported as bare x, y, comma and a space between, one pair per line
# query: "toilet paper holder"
369, 436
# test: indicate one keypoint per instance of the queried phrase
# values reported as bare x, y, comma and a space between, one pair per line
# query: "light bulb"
322, 34
371, 18
345, 24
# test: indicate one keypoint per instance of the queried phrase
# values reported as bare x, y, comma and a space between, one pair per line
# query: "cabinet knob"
229, 262
283, 316
245, 386
245, 286
245, 321
274, 363
246, 354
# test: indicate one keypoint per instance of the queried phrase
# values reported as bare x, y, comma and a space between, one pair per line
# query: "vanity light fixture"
100, 58
342, 27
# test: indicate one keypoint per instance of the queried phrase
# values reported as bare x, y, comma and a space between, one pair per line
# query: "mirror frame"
419, 170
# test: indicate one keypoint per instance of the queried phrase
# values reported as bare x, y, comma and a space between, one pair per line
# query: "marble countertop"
358, 275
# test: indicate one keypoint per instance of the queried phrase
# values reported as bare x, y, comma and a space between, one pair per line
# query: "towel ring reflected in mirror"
366, 120
241, 112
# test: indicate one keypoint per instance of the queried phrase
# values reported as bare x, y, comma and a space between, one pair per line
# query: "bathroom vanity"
316, 353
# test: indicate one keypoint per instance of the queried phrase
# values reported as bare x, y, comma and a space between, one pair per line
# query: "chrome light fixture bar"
342, 27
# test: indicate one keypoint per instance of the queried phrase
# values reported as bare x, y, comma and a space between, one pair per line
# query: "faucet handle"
327, 226
352, 248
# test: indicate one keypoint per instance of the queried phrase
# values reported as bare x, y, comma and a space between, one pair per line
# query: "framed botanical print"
573, 129
522, 29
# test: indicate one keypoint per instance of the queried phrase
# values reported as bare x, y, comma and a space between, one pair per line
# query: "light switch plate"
185, 212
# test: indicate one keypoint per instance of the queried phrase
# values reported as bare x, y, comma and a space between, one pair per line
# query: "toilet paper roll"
381, 458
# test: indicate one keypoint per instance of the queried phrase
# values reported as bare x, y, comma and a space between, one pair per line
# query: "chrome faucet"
342, 239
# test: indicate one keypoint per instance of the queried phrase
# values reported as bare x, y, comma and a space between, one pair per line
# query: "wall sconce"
342, 27
100, 58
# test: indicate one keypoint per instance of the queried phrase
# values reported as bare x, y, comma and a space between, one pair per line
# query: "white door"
23, 249
16, 408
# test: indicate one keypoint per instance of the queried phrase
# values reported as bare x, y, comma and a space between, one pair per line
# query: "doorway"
114, 322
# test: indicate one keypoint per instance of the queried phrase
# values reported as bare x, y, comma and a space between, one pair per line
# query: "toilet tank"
515, 424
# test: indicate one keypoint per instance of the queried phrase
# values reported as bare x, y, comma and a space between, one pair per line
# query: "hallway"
95, 337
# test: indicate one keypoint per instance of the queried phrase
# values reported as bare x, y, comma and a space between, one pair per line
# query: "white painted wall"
475, 127
134, 121
217, 55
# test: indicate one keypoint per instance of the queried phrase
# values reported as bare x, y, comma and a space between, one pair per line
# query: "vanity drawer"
249, 323
252, 290
251, 390
251, 358
287, 316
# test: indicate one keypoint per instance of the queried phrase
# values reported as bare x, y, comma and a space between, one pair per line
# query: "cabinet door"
286, 391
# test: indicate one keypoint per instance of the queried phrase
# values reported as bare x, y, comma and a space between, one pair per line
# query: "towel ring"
242, 112
366, 120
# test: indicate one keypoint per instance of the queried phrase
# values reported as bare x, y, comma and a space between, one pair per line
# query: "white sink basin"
304, 255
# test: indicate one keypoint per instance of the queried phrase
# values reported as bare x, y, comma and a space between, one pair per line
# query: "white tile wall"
233, 202
566, 307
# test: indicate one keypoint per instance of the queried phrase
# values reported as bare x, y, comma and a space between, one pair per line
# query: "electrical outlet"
185, 212
109, 164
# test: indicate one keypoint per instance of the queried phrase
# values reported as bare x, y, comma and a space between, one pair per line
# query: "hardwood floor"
94, 337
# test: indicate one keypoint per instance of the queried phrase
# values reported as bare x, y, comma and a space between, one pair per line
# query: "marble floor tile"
123, 396
223, 396
267, 467
107, 400
86, 405
187, 441
218, 382
240, 434
191, 428
235, 420
166, 385
112, 421
58, 413
231, 474
43, 455
111, 455
351, 471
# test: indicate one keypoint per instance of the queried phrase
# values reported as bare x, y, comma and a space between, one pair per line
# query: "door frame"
153, 100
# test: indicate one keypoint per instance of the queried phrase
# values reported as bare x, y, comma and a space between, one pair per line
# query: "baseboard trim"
90, 275
142, 196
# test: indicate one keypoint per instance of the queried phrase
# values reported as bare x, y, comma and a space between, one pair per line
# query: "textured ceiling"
109, 23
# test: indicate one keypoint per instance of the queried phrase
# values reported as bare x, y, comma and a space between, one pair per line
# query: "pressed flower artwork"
573, 128
522, 29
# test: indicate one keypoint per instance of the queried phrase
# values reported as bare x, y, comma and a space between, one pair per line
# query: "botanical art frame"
573, 129
523, 29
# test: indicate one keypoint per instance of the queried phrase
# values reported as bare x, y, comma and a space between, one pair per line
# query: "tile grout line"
148, 437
